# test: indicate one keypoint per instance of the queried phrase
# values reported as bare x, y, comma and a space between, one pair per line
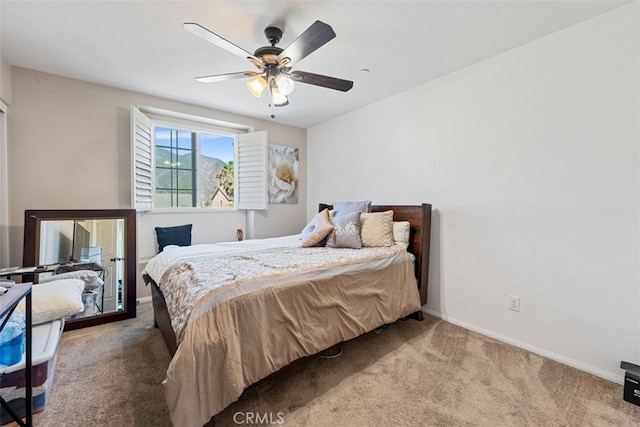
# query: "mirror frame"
32, 219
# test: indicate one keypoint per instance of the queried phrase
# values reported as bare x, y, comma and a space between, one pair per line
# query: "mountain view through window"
193, 169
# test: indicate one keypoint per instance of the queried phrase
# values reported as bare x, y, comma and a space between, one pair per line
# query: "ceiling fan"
275, 64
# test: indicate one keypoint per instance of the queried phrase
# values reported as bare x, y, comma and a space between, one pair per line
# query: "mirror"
86, 244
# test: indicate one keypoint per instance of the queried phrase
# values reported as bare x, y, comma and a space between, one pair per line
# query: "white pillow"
54, 300
401, 233
318, 228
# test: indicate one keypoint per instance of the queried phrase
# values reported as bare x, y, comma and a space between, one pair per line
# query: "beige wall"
69, 148
5, 81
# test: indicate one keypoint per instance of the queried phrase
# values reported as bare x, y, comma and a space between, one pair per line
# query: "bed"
234, 313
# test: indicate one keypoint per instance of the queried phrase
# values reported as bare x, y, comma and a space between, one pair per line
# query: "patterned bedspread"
207, 280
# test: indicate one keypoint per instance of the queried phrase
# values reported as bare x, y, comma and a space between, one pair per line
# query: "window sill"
192, 210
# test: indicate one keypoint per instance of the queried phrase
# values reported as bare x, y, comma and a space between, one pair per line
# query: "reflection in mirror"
89, 249
97, 246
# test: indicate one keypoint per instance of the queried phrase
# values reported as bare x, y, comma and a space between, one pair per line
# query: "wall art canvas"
283, 174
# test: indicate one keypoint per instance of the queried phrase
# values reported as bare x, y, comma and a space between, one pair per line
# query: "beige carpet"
427, 373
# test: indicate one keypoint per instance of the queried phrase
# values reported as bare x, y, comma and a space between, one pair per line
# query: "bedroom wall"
69, 149
5, 80
531, 162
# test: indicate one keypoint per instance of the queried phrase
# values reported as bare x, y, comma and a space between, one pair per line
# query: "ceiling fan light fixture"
285, 84
278, 99
257, 86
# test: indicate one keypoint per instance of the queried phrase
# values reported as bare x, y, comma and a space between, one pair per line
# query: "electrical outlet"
514, 303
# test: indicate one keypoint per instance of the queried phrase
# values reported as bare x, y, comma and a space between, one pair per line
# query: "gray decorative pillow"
341, 208
346, 231
317, 229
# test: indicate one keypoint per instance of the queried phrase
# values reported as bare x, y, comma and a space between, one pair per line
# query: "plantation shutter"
142, 161
251, 171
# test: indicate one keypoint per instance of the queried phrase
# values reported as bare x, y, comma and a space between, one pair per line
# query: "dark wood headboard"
419, 217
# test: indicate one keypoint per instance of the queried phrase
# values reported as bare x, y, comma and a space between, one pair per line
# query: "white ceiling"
141, 46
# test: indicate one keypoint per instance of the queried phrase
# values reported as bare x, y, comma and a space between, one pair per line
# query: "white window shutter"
251, 171
142, 161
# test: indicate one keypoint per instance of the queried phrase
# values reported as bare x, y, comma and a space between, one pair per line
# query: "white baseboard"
619, 379
142, 300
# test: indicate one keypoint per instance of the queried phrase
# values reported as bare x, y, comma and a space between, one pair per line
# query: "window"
182, 161
193, 169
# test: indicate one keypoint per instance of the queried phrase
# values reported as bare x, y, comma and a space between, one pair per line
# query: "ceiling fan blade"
203, 33
320, 80
313, 37
229, 76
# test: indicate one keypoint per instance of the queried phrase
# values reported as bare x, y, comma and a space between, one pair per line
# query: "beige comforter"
239, 317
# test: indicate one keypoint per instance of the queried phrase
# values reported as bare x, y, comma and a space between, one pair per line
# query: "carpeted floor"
427, 373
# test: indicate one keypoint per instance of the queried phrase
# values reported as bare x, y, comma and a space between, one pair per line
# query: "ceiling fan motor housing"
273, 34
267, 50
269, 54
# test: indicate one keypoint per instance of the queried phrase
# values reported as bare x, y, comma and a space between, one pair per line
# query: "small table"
8, 303
29, 272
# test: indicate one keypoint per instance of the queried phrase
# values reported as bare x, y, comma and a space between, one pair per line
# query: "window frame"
192, 169
174, 120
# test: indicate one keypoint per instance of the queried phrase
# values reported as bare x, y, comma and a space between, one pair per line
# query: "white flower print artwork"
283, 174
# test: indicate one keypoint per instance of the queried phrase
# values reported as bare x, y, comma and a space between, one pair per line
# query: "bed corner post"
425, 243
